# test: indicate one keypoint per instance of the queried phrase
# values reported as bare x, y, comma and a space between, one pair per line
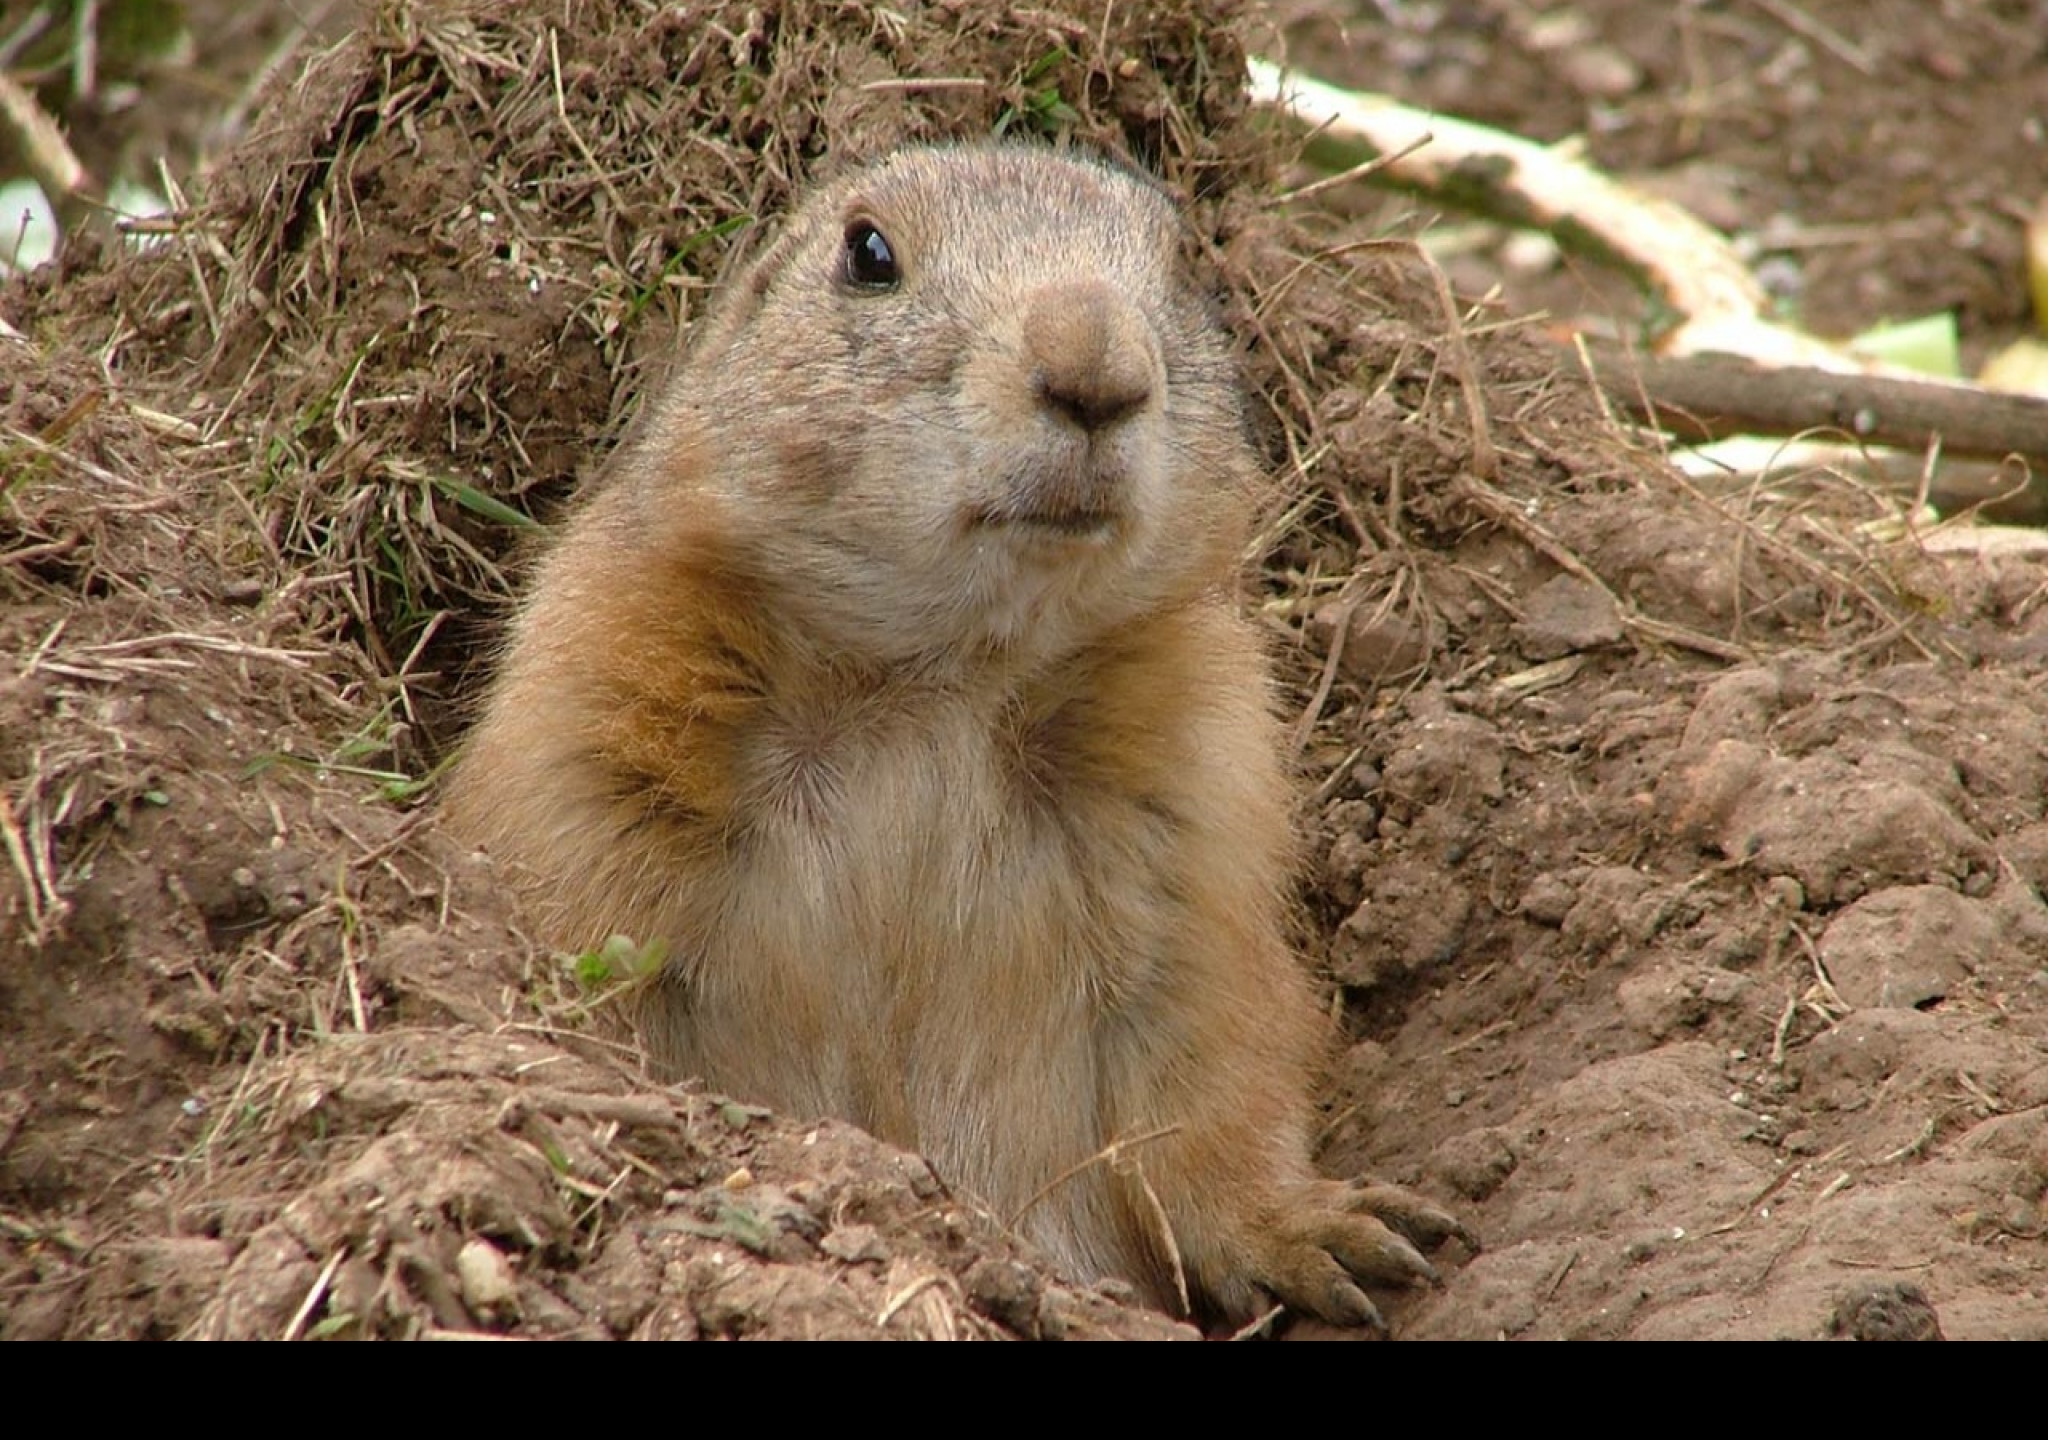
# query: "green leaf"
476, 502
683, 252
1927, 345
1042, 64
619, 958
592, 970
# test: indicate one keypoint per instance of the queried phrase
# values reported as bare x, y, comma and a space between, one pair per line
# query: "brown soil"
1677, 862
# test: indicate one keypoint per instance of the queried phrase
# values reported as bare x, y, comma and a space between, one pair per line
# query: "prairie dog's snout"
1091, 376
1095, 360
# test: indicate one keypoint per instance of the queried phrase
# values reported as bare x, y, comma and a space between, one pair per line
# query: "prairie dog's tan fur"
895, 683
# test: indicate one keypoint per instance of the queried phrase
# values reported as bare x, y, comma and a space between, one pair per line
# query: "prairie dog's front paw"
1328, 1236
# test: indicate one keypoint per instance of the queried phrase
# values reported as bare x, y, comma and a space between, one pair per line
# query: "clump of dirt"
1677, 860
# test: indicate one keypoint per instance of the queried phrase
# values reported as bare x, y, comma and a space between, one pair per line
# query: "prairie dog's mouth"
1070, 501
1075, 524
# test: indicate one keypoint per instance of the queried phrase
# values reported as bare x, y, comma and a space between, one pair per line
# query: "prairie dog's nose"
1092, 353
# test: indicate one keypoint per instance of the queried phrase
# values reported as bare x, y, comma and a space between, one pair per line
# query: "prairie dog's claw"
1422, 1221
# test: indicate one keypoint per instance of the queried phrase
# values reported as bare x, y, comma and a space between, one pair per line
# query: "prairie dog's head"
971, 397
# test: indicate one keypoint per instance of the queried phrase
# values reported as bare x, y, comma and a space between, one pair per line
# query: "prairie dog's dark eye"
870, 262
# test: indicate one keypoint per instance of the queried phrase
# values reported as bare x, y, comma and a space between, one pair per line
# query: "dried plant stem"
45, 154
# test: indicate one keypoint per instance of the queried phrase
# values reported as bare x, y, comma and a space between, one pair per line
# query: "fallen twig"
1724, 368
1702, 397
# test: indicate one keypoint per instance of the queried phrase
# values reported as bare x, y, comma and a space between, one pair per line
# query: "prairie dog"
894, 682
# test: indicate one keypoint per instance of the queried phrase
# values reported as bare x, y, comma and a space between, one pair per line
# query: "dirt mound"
1678, 859
417, 1182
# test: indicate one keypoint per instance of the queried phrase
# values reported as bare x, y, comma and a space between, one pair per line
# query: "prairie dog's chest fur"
923, 905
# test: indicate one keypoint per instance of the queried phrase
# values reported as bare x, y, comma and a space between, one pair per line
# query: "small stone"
1599, 72
855, 1245
1785, 894
1945, 65
1378, 645
490, 1291
1723, 987
1565, 615
1548, 900
1007, 1292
